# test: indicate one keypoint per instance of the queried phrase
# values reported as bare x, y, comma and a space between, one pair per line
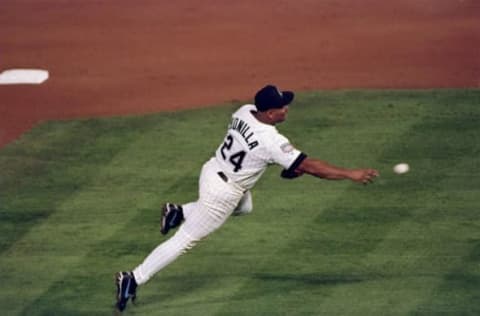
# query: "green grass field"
79, 200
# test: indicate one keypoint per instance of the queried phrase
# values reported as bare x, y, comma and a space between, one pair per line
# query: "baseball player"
251, 144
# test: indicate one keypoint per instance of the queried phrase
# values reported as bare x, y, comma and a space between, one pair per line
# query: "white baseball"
401, 168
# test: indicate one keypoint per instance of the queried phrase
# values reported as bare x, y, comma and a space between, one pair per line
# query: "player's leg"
245, 205
163, 255
197, 226
216, 203
200, 222
160, 257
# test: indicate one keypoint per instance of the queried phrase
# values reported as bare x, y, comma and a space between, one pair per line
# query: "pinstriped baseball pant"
217, 200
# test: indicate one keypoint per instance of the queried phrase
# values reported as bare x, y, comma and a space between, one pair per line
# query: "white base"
23, 76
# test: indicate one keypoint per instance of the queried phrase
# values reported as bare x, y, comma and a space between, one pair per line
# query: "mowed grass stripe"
46, 167
37, 259
452, 207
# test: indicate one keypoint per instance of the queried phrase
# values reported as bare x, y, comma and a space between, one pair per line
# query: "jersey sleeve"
284, 154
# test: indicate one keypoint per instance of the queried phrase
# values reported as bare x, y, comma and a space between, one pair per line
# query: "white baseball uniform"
225, 180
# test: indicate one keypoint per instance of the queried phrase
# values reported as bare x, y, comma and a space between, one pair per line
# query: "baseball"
401, 168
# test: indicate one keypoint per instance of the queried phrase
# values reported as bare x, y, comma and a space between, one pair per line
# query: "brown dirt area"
122, 57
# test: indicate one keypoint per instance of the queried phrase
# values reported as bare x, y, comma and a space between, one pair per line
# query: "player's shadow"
310, 279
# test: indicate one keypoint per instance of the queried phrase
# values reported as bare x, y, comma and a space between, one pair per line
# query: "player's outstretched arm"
325, 170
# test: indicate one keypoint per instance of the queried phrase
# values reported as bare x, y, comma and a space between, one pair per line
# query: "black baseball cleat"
126, 289
172, 216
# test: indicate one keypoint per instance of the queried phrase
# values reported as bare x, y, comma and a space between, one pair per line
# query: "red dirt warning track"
121, 57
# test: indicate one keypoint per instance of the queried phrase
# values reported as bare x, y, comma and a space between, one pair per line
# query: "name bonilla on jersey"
243, 129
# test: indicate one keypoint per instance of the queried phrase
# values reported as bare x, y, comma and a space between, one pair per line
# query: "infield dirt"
121, 57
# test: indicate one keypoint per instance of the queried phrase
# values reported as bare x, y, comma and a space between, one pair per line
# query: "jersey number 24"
235, 159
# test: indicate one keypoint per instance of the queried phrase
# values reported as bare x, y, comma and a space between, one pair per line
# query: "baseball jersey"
250, 146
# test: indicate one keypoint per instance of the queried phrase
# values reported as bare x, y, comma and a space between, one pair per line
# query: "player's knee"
185, 241
245, 205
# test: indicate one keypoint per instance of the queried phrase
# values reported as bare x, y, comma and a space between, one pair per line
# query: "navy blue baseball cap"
270, 97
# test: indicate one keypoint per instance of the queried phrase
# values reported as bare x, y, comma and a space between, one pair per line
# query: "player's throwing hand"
364, 176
